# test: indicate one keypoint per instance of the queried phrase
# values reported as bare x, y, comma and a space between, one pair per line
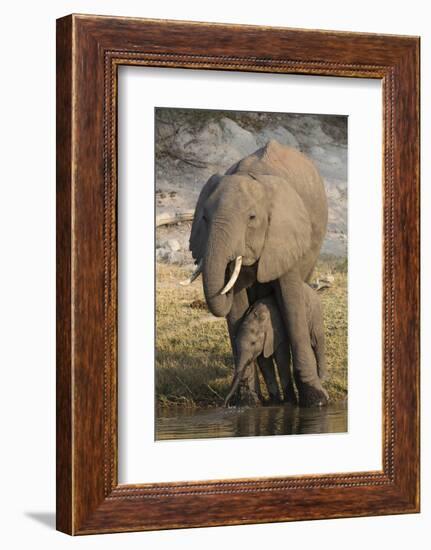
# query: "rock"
168, 245
169, 256
240, 139
173, 245
175, 258
280, 134
191, 145
161, 254
217, 145
190, 267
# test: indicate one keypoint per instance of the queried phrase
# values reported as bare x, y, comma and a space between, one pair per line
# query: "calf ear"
198, 235
274, 334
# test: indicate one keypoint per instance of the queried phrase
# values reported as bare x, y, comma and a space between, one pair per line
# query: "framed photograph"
237, 274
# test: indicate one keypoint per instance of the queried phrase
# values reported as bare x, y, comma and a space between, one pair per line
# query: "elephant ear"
198, 234
275, 333
288, 234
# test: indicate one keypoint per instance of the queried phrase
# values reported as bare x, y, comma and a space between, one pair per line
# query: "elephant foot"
273, 400
291, 400
290, 395
230, 402
244, 398
310, 396
253, 400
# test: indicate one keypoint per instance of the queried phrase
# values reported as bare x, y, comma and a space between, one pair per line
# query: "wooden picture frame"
89, 51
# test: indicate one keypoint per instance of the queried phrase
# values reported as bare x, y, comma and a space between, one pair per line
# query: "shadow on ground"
45, 518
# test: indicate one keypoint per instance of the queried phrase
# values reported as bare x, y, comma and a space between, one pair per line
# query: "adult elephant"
261, 224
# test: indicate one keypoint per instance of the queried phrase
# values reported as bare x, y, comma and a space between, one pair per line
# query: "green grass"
194, 363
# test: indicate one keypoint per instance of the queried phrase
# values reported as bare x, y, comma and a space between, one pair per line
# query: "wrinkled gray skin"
262, 335
316, 328
271, 209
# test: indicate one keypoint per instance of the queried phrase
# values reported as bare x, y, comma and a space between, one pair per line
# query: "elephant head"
260, 332
254, 215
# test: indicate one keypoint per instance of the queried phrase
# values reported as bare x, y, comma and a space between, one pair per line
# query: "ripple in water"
177, 423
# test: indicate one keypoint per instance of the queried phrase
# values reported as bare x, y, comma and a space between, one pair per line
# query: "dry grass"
193, 357
334, 306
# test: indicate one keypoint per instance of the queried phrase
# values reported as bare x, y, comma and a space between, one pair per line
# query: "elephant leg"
282, 358
291, 300
257, 291
240, 305
317, 331
267, 369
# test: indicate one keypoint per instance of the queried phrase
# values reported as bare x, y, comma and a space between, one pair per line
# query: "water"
178, 423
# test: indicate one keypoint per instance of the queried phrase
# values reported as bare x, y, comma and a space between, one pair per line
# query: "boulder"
161, 254
280, 134
191, 145
173, 245
175, 258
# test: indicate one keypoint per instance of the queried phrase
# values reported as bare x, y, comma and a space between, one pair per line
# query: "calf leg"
239, 307
267, 369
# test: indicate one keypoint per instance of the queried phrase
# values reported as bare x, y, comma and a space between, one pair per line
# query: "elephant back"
292, 166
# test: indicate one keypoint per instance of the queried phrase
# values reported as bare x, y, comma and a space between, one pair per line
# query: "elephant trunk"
236, 381
214, 269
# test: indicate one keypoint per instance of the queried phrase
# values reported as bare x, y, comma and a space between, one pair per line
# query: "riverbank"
193, 356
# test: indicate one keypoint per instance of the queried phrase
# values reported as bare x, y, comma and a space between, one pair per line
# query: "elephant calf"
262, 334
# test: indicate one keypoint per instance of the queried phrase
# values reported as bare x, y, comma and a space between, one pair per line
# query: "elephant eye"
252, 216
204, 218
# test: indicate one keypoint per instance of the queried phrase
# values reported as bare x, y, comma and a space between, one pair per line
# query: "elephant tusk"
234, 276
193, 276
